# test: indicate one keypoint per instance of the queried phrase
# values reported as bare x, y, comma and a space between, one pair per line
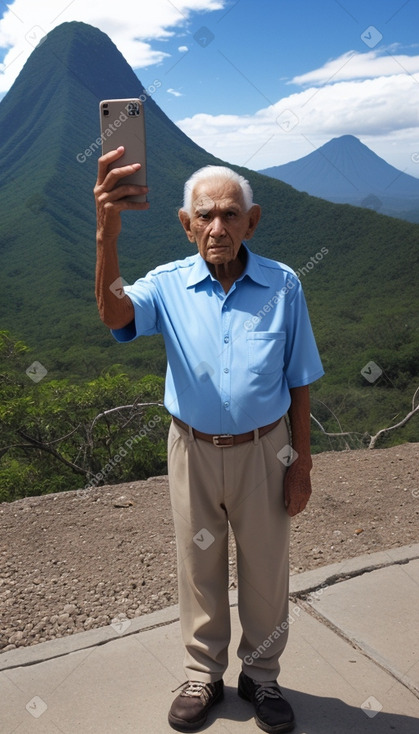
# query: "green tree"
57, 435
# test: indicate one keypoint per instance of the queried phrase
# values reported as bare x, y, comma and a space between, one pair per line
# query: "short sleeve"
143, 294
302, 360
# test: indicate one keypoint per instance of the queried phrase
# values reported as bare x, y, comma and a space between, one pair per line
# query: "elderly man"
241, 355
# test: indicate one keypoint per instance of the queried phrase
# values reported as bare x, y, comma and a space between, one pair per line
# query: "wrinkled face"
219, 223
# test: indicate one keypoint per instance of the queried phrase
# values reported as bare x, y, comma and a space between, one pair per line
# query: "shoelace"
267, 690
195, 688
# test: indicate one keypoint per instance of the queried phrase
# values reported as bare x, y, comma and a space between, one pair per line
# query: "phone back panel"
122, 123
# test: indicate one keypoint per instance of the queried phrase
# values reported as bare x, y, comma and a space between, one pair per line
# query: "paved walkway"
351, 663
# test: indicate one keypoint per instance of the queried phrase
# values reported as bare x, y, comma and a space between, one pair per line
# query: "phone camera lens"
133, 109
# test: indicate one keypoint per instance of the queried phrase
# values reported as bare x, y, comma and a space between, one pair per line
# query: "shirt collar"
200, 272
253, 269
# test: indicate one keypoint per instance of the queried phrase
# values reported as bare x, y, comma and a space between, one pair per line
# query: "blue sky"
257, 82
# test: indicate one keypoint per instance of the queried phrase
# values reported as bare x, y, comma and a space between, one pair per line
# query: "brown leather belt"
225, 440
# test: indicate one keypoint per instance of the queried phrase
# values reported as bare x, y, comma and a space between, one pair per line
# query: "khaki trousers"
211, 487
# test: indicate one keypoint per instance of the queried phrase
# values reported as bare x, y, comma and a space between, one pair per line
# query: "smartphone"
122, 123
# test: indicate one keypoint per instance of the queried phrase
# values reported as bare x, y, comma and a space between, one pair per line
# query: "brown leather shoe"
190, 709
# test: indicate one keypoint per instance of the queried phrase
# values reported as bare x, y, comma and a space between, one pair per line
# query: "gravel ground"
78, 560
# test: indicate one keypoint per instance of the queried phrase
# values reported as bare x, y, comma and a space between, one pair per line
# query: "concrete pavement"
351, 663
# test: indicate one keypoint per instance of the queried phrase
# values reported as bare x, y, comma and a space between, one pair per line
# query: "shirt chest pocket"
265, 351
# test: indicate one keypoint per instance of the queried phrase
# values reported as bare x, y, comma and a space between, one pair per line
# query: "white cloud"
131, 25
183, 49
354, 65
175, 93
383, 111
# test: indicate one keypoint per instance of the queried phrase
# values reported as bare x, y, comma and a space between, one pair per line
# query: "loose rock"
73, 563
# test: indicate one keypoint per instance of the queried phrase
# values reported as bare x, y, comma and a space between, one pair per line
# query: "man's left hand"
297, 488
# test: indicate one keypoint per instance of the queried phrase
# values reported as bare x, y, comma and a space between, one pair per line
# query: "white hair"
211, 173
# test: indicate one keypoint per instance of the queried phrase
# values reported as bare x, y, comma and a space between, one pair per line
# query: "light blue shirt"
232, 358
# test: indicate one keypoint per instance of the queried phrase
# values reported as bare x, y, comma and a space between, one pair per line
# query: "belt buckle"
223, 440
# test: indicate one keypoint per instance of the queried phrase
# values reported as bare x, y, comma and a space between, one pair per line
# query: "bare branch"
333, 435
63, 438
49, 450
23, 446
330, 411
122, 407
401, 423
373, 439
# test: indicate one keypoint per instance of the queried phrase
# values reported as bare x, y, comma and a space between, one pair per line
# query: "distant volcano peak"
344, 170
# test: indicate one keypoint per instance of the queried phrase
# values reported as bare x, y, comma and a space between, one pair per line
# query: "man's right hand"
110, 198
116, 311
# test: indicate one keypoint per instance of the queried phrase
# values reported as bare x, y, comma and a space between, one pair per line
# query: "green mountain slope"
358, 268
47, 227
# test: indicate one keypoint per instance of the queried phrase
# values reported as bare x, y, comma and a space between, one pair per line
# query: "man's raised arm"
115, 312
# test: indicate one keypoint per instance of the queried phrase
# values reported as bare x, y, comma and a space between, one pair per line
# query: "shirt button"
226, 339
226, 405
226, 370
